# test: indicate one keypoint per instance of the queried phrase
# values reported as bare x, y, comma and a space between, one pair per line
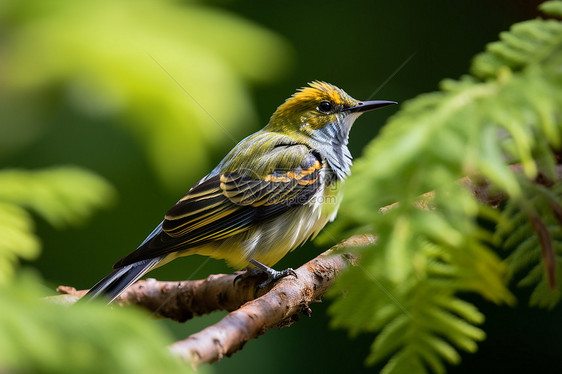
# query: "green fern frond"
406, 289
39, 336
553, 8
123, 70
525, 247
63, 196
527, 43
16, 239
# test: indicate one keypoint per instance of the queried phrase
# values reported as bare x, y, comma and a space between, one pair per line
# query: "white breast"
272, 240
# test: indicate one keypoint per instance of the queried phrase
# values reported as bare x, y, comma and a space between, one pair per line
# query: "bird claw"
274, 275
261, 269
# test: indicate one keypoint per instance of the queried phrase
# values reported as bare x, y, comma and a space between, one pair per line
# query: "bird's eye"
325, 106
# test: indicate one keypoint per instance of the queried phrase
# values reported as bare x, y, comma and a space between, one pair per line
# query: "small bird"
271, 193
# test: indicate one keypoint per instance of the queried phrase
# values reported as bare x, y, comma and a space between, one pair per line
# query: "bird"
271, 193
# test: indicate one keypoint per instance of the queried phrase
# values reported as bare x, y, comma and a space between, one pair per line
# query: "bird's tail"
112, 285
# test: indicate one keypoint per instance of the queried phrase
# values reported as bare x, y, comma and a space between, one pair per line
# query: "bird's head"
319, 111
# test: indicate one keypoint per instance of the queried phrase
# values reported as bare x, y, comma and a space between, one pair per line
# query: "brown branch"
182, 300
251, 317
277, 308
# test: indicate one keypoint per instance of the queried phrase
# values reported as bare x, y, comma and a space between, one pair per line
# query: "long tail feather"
115, 283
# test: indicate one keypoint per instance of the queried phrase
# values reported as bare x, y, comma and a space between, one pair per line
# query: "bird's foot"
272, 274
261, 270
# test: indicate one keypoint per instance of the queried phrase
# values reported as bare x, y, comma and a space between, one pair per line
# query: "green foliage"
39, 336
408, 287
158, 67
520, 230
63, 196
173, 74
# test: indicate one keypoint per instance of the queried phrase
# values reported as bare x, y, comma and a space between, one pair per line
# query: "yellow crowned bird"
272, 192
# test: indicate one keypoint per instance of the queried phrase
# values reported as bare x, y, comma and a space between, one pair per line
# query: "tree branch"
280, 307
250, 316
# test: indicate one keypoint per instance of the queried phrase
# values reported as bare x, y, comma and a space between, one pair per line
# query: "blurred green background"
151, 95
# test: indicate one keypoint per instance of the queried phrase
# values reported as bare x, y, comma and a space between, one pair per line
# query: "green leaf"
519, 238
16, 239
404, 362
509, 111
553, 8
43, 337
390, 339
443, 348
63, 196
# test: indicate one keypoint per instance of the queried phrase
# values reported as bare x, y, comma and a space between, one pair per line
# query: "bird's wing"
231, 202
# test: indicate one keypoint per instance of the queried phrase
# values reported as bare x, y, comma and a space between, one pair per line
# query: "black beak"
366, 106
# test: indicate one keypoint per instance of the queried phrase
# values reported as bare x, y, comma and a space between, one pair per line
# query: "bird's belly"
271, 242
